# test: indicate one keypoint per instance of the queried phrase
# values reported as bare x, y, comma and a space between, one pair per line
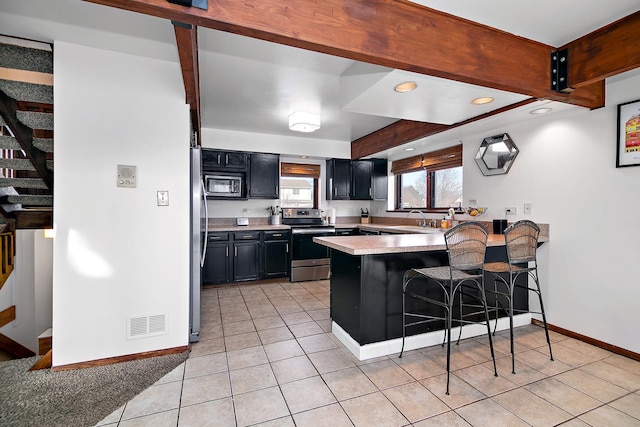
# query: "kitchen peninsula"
366, 288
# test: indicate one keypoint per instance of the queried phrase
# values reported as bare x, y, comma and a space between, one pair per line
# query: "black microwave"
224, 185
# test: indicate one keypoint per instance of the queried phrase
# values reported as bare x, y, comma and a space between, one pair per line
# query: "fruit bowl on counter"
476, 211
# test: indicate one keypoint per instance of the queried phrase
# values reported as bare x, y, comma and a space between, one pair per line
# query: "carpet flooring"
80, 397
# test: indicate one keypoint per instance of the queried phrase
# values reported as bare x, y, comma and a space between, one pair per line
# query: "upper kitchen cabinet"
264, 176
338, 179
379, 179
357, 179
213, 160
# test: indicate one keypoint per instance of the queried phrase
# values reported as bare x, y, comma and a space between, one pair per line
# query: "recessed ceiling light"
405, 87
304, 157
409, 149
482, 100
543, 110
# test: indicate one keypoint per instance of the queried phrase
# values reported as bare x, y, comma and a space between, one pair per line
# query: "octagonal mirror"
496, 154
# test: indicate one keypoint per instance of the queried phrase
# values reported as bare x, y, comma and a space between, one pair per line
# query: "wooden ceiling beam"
608, 51
392, 33
405, 131
187, 43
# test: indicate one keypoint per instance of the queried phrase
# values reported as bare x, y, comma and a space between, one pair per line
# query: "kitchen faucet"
422, 223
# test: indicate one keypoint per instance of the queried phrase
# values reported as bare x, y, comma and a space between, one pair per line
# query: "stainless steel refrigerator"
198, 248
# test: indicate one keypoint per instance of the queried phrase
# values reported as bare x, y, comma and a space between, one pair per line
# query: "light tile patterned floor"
267, 357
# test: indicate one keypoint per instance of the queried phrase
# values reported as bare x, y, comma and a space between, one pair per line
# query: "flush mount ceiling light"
543, 110
482, 100
405, 87
304, 121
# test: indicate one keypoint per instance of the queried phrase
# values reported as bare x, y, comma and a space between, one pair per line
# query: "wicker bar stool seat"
466, 245
521, 239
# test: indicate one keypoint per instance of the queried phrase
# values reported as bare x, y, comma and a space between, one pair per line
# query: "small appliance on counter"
243, 220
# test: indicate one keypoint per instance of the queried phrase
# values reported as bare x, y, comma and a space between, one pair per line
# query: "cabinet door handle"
226, 159
287, 251
247, 236
227, 251
218, 158
369, 191
277, 235
235, 253
276, 189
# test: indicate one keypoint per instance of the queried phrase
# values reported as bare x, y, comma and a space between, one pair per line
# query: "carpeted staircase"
26, 134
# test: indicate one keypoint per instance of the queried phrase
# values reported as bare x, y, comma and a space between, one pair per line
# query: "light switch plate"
163, 198
528, 207
127, 176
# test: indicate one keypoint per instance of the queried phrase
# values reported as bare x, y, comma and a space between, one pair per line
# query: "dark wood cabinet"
213, 160
246, 256
379, 179
357, 179
338, 179
277, 260
361, 180
264, 176
217, 265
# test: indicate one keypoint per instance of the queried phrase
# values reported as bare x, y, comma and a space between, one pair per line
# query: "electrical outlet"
527, 208
511, 210
163, 198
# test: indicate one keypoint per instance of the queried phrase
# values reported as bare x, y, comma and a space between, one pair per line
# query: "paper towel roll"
332, 215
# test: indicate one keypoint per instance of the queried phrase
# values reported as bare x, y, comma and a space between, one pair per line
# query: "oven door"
303, 247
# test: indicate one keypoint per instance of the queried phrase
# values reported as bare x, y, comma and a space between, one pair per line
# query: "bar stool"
466, 244
521, 239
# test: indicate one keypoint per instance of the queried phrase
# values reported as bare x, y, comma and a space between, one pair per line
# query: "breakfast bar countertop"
398, 243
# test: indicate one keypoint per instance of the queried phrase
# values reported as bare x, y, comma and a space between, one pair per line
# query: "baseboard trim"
118, 359
606, 346
427, 339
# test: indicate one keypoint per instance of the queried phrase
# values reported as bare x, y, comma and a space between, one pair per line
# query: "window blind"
449, 157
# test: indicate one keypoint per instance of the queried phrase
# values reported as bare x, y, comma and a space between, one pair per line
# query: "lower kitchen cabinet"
243, 256
217, 266
246, 256
276, 254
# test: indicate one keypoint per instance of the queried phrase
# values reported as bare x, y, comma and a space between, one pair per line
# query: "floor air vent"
146, 326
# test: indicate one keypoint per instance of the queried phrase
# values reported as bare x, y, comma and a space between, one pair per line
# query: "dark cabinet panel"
379, 180
357, 179
213, 160
264, 176
217, 265
246, 260
338, 179
276, 257
346, 231
361, 180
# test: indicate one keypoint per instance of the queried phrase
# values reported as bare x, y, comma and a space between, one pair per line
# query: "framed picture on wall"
628, 153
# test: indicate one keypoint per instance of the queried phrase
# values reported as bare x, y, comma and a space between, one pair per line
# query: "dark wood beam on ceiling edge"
608, 51
187, 43
392, 33
404, 131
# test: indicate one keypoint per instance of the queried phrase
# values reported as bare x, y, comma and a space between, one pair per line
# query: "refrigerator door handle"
206, 223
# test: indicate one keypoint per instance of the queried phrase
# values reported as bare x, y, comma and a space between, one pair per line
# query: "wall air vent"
146, 326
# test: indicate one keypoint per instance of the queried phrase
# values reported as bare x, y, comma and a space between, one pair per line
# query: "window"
429, 181
299, 185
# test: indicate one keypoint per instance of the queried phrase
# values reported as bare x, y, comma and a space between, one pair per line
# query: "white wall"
117, 254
